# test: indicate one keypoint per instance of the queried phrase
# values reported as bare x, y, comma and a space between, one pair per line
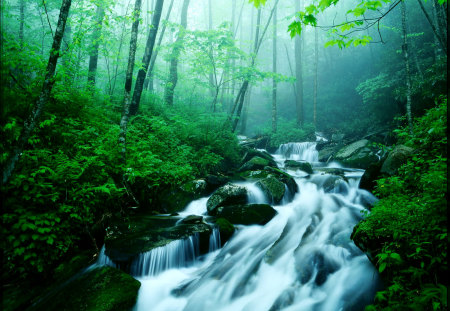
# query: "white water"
305, 151
303, 259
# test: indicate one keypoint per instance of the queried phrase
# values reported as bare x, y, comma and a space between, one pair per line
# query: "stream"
303, 259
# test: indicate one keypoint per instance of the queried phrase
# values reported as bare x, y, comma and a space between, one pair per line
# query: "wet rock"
215, 181
301, 165
226, 229
316, 260
247, 214
329, 183
175, 199
250, 153
192, 219
100, 289
257, 163
226, 195
272, 188
371, 174
326, 154
331, 170
359, 154
396, 158
284, 178
284, 300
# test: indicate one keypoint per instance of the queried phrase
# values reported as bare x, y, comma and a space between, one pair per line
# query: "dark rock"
100, 289
213, 182
325, 154
359, 154
371, 174
303, 165
257, 163
329, 183
226, 229
226, 195
331, 170
192, 219
396, 158
247, 214
175, 199
284, 178
250, 153
272, 188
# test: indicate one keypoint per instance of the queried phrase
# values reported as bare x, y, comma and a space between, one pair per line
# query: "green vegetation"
406, 231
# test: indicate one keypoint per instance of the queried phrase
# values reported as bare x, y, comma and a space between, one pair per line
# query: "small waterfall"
176, 254
214, 240
104, 260
305, 151
196, 207
255, 194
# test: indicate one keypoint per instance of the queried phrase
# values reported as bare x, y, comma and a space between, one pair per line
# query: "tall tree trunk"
274, 69
173, 70
129, 79
246, 110
44, 96
299, 73
66, 54
437, 33
138, 86
316, 63
441, 14
407, 70
290, 69
210, 27
93, 55
22, 21
148, 84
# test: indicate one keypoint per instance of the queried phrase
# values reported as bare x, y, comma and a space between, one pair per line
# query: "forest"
254, 155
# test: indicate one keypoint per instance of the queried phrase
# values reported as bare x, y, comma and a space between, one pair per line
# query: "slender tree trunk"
246, 110
290, 69
66, 53
93, 57
173, 70
129, 79
441, 14
138, 86
316, 63
210, 27
149, 79
22, 21
44, 96
407, 70
437, 33
299, 73
274, 69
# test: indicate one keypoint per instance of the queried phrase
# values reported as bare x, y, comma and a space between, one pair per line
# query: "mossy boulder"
213, 182
124, 241
175, 199
257, 163
247, 214
359, 154
284, 177
100, 289
192, 219
298, 165
226, 229
272, 188
371, 174
329, 183
226, 195
331, 170
250, 153
326, 153
396, 158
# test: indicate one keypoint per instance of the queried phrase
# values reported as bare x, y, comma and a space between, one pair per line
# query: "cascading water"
303, 259
305, 151
214, 240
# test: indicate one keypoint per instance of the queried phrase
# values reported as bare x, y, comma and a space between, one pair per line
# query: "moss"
273, 188
247, 214
226, 229
101, 289
304, 166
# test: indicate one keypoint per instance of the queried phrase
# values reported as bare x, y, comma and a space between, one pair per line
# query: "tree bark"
93, 55
173, 70
148, 83
44, 96
274, 69
129, 79
290, 69
245, 110
407, 70
433, 27
22, 21
299, 73
138, 86
316, 63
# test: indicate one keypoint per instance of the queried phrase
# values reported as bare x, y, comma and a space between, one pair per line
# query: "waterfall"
305, 151
214, 240
176, 254
104, 260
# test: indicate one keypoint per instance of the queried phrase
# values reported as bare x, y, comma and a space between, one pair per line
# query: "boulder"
337, 137
247, 214
99, 289
300, 165
125, 240
272, 188
250, 153
215, 181
192, 219
326, 153
226, 195
396, 158
331, 170
175, 199
358, 154
284, 178
226, 229
371, 174
256, 163
329, 183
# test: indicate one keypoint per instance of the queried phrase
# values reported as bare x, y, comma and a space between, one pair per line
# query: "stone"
371, 174
192, 219
226, 195
301, 165
226, 229
358, 154
272, 188
396, 158
247, 214
256, 163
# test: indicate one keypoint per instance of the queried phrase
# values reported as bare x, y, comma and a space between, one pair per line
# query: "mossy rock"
257, 163
250, 153
252, 175
396, 158
284, 178
226, 195
247, 214
272, 188
303, 165
100, 289
358, 154
175, 199
226, 229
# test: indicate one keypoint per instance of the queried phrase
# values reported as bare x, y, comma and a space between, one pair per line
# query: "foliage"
406, 232
289, 131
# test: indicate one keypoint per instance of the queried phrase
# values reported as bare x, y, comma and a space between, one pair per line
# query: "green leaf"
382, 267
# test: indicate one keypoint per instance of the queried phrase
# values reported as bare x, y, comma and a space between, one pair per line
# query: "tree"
407, 70
274, 69
44, 96
96, 38
173, 70
299, 73
129, 78
316, 62
139, 85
